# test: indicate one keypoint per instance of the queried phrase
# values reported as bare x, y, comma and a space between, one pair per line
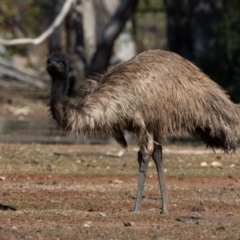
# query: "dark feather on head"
57, 63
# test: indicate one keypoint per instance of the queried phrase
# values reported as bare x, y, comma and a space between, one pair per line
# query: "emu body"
153, 95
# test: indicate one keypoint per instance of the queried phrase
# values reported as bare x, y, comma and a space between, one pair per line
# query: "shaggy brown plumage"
153, 95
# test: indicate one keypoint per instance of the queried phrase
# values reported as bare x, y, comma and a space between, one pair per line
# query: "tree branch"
22, 74
116, 24
36, 41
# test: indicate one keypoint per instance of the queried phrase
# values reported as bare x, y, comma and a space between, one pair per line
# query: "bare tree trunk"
75, 49
55, 43
89, 26
74, 28
124, 46
101, 58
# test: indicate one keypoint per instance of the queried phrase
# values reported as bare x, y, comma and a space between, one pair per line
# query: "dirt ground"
86, 191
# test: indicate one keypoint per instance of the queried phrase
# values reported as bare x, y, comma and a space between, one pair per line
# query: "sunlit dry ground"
88, 192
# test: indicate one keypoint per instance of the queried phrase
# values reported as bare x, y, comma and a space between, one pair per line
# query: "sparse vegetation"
84, 192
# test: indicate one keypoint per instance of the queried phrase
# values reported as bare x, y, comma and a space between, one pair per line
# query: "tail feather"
221, 139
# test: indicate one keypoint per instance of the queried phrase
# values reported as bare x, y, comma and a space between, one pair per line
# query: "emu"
153, 95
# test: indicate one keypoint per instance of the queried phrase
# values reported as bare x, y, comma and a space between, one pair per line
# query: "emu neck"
58, 100
59, 91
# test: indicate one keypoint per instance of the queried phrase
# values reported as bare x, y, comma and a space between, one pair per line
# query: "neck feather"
58, 100
59, 90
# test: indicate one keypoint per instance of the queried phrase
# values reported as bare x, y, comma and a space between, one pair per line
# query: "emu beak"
52, 64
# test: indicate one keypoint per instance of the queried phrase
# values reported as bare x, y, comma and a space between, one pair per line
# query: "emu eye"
61, 65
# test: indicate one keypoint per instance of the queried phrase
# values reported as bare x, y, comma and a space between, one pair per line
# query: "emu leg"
143, 161
157, 158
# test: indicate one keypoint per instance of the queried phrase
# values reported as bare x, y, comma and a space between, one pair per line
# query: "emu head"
57, 66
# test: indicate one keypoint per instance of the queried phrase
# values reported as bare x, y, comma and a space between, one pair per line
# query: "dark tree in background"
207, 32
223, 63
178, 14
191, 26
